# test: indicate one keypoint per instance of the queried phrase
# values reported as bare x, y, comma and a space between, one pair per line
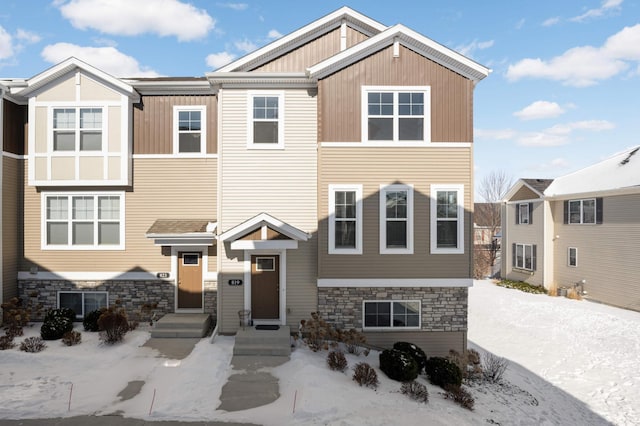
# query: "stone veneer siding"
131, 293
443, 308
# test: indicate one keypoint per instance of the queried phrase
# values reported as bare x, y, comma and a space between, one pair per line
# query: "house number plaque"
235, 282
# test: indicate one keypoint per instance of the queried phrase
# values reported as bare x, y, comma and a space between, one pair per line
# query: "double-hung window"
266, 120
524, 213
345, 219
524, 256
190, 129
447, 219
77, 129
391, 314
396, 114
396, 219
83, 221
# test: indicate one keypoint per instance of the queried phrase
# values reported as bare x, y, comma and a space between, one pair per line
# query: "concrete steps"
182, 326
252, 342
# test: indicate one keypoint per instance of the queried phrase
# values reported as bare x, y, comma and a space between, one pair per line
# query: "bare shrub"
468, 362
14, 330
574, 294
6, 342
71, 338
365, 375
337, 361
481, 263
416, 391
353, 340
113, 325
17, 312
460, 396
552, 290
493, 367
316, 332
32, 344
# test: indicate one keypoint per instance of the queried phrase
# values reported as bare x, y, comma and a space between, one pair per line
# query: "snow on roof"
617, 172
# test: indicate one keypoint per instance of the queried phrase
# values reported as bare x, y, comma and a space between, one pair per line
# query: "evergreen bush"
90, 321
60, 312
416, 353
54, 327
443, 372
398, 365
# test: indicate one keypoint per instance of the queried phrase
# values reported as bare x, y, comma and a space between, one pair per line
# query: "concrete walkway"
109, 421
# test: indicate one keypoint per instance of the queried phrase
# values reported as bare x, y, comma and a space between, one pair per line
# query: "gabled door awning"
263, 232
183, 232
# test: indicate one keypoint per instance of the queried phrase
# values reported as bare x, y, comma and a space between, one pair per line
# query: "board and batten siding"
451, 95
12, 177
607, 253
312, 52
281, 183
375, 166
524, 234
153, 122
163, 189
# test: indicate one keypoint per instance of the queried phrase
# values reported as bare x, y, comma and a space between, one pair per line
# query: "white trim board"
399, 144
394, 282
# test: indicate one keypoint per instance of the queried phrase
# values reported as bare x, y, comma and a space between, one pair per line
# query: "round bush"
443, 372
416, 353
90, 321
60, 312
55, 327
398, 365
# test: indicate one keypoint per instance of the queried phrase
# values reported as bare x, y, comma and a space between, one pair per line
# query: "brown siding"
524, 193
451, 95
12, 176
372, 167
15, 128
434, 343
311, 53
153, 123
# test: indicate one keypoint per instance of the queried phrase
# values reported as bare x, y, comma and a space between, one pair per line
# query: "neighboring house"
583, 231
487, 224
329, 171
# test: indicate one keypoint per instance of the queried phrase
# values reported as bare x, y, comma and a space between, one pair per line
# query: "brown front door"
189, 280
265, 286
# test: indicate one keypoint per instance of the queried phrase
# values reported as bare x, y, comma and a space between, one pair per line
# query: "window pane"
573, 256
345, 204
396, 204
447, 234
90, 141
72, 301
64, 118
94, 301
396, 234
265, 107
64, 141
447, 204
91, 118
57, 233
589, 211
380, 129
345, 234
109, 207
82, 233
189, 121
574, 211
411, 129
57, 208
265, 132
83, 208
189, 142
528, 254
108, 233
265, 264
377, 314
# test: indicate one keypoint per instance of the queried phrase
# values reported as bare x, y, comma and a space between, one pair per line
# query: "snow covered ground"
570, 363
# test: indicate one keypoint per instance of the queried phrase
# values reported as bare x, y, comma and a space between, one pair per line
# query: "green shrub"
337, 361
72, 338
90, 321
60, 312
416, 391
113, 324
398, 365
55, 327
365, 375
522, 286
443, 372
416, 353
32, 344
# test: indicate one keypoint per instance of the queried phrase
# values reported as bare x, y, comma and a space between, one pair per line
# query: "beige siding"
433, 343
372, 167
12, 178
524, 234
607, 253
524, 193
91, 90
281, 183
451, 96
64, 90
163, 189
153, 122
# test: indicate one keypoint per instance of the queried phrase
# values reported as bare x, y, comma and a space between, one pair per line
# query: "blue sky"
564, 92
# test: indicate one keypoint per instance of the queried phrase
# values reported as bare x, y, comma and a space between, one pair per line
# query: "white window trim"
332, 217
43, 221
265, 146
383, 219
83, 313
434, 223
391, 327
582, 222
203, 130
569, 257
520, 215
395, 89
524, 256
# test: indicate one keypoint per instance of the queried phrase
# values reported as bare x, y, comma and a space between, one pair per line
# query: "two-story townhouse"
329, 171
589, 230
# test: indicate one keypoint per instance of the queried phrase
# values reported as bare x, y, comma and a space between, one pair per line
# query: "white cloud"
125, 17
108, 59
273, 34
551, 21
520, 24
588, 125
495, 134
540, 110
216, 60
234, 6
608, 6
6, 44
27, 36
585, 65
539, 139
245, 45
554, 164
468, 49
560, 134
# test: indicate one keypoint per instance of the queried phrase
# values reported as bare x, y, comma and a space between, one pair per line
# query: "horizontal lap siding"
11, 224
163, 189
524, 234
607, 253
372, 167
435, 343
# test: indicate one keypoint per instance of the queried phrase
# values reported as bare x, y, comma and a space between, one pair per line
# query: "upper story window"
396, 219
586, 211
83, 221
345, 219
266, 129
77, 129
190, 136
524, 214
396, 114
447, 219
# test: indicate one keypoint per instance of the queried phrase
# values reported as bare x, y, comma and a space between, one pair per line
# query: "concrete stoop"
182, 326
252, 342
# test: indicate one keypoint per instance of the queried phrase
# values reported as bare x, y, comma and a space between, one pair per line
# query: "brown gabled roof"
178, 226
538, 184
